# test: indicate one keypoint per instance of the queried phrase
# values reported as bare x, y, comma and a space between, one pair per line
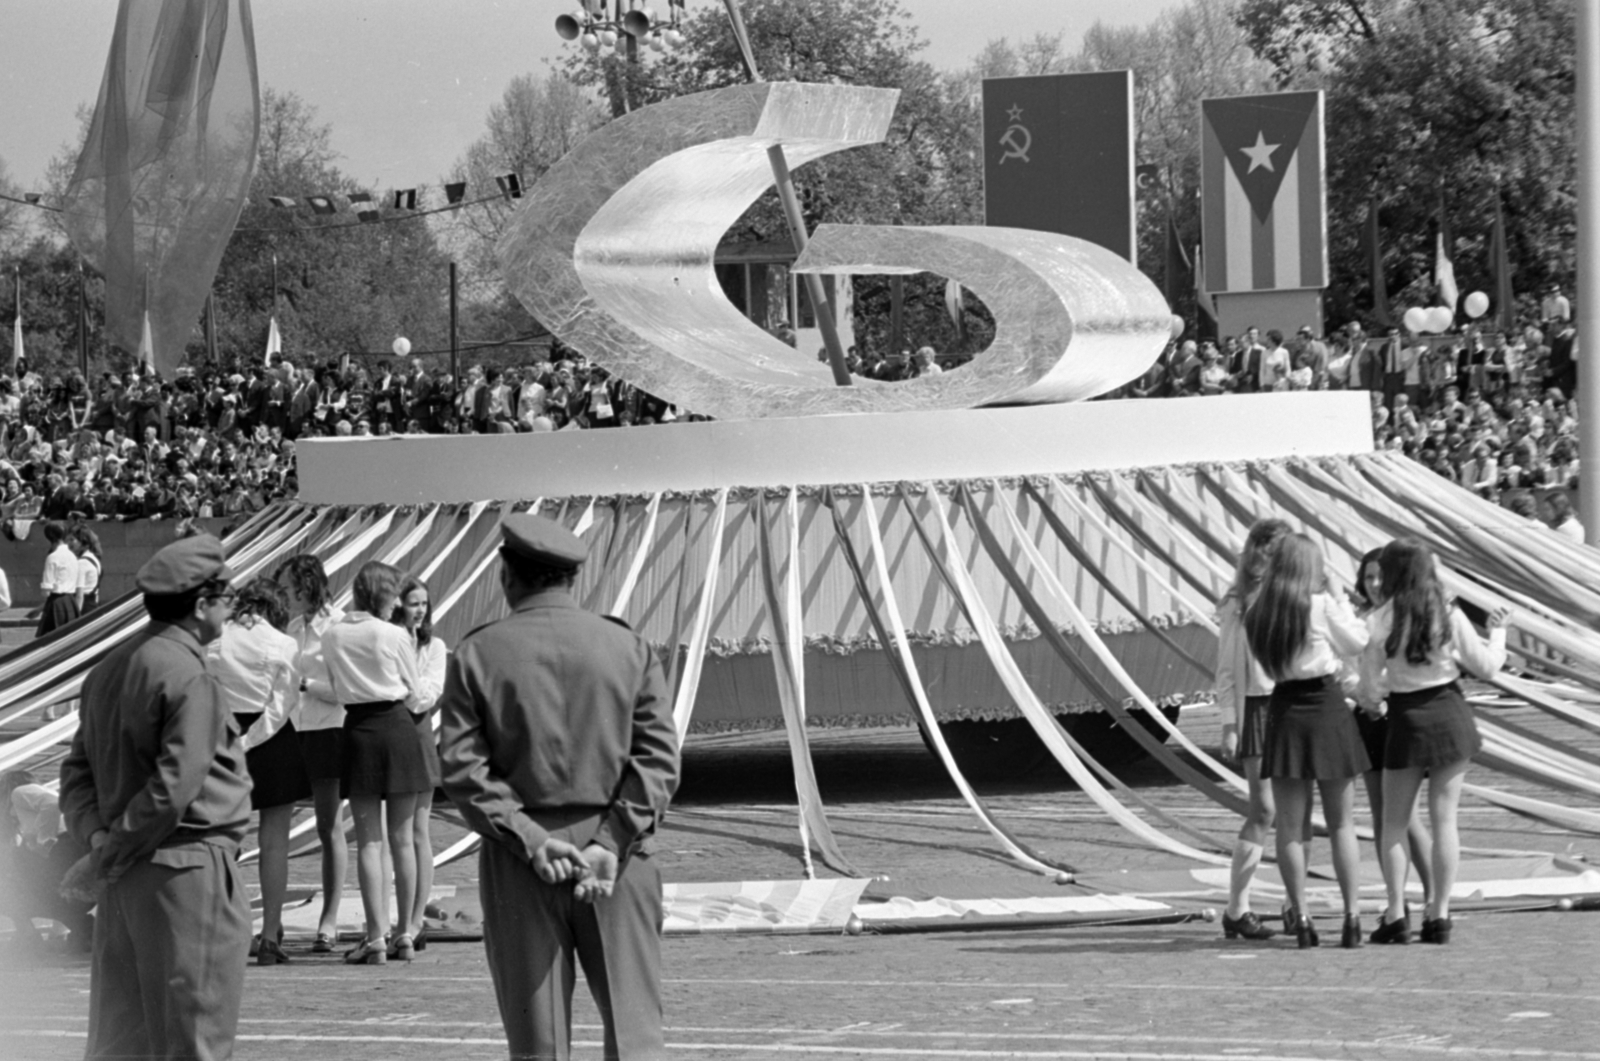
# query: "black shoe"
1247, 925
1396, 931
420, 940
1436, 930
1305, 931
1350, 939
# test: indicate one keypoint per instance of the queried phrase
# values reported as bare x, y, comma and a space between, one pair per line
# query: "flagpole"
16, 335
83, 324
455, 347
1588, 281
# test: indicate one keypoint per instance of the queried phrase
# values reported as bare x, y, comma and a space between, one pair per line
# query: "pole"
821, 304
455, 346
83, 324
211, 328
1588, 282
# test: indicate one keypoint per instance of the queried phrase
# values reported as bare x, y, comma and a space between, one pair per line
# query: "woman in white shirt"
1300, 632
372, 664
89, 566
1243, 693
60, 581
319, 721
1419, 645
415, 614
257, 668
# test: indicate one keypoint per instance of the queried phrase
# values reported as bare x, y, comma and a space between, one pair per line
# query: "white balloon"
1416, 319
1477, 304
590, 41
608, 37
1440, 318
401, 346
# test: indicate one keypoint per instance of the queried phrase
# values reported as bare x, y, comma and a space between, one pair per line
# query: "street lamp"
630, 24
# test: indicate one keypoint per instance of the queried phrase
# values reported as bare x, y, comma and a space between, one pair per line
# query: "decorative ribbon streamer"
700, 633
619, 607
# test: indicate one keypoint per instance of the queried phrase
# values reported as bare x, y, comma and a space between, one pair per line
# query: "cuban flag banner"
1263, 192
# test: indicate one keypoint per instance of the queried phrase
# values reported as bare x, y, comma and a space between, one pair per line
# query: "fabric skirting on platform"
430, 747
322, 751
1311, 733
382, 754
59, 610
277, 770
1253, 737
1430, 727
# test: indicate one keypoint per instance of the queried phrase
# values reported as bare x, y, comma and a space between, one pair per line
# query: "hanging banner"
1263, 196
1058, 156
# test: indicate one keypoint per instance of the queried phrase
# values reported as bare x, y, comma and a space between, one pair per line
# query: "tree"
13, 222
1302, 39
1454, 103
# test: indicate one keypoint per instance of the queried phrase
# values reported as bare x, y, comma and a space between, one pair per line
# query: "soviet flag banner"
1263, 192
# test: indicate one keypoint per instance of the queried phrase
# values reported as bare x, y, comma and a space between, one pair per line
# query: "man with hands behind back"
557, 744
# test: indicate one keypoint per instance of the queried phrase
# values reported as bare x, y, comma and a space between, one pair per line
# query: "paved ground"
1521, 985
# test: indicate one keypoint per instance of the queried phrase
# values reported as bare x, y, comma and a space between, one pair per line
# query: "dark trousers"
170, 946
531, 931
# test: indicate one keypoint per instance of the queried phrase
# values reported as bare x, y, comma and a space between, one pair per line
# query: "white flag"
16, 335
147, 347
274, 341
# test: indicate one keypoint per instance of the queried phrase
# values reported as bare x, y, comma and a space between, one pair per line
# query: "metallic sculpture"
614, 249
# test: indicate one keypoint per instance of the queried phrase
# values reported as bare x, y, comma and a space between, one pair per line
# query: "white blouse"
60, 571
88, 574
371, 659
319, 709
258, 669
431, 659
1382, 674
1238, 673
1334, 632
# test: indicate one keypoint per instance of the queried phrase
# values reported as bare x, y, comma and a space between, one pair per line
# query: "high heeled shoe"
1397, 931
1350, 938
1436, 930
1305, 931
402, 948
420, 940
1247, 925
323, 944
372, 952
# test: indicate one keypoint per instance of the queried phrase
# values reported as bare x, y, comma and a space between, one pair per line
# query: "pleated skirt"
1311, 733
1253, 737
322, 751
382, 754
1430, 727
277, 771
59, 610
430, 748
1374, 731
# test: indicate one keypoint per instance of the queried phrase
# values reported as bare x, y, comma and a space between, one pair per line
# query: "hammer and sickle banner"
1263, 201
1058, 156
164, 171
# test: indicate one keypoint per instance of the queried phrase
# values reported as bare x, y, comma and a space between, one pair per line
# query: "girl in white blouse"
415, 614
256, 665
1300, 632
1243, 695
372, 665
320, 722
1419, 645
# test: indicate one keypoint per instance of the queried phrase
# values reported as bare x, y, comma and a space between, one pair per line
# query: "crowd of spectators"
1492, 412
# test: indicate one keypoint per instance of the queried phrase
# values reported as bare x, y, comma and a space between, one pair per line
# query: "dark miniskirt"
322, 750
1374, 731
382, 753
1311, 733
1430, 727
277, 772
1253, 737
430, 748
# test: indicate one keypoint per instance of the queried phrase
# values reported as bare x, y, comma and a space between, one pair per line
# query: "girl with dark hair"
89, 568
372, 664
256, 665
60, 581
319, 721
1374, 727
415, 614
1300, 632
1420, 644
1243, 691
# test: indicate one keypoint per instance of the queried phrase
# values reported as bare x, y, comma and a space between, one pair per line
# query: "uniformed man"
156, 787
558, 745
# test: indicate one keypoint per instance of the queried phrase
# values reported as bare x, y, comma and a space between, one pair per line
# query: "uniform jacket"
156, 759
553, 712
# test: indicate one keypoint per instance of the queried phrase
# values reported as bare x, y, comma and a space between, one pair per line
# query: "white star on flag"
1261, 153
1015, 114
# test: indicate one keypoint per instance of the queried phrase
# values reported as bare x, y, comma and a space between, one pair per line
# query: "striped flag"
1263, 193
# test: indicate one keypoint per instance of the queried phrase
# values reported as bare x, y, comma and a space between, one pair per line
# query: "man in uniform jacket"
156, 788
558, 746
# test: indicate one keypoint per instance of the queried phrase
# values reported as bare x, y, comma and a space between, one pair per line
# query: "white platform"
966, 444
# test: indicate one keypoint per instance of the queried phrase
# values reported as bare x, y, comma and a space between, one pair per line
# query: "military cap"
184, 565
542, 541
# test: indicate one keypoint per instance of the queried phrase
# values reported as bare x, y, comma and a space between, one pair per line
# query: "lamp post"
629, 24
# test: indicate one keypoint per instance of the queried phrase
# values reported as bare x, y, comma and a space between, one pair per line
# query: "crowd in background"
1493, 412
